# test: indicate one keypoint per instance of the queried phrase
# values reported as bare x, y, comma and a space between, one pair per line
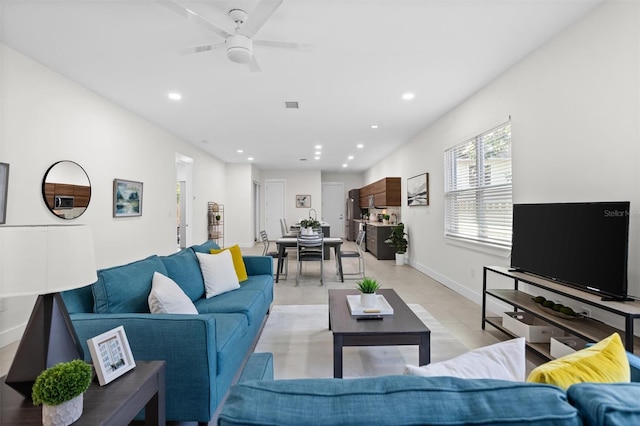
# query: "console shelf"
586, 328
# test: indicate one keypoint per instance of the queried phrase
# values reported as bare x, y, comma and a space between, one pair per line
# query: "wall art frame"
111, 355
127, 198
4, 191
418, 190
303, 201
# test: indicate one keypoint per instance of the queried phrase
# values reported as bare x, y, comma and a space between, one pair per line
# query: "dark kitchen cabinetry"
375, 242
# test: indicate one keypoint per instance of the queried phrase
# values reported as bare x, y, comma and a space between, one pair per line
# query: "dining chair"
310, 248
358, 253
274, 254
286, 232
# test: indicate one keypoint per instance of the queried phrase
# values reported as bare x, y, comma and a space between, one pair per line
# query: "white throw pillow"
218, 273
167, 297
503, 361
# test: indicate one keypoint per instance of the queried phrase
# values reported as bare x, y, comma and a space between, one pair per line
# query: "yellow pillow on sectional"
238, 262
604, 362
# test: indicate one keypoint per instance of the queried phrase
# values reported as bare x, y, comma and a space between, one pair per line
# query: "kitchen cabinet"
386, 193
376, 235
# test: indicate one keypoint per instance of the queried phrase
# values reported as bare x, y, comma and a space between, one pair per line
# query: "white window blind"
478, 202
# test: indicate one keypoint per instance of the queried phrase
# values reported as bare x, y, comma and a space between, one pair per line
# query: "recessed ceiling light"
317, 152
344, 165
408, 96
360, 146
350, 157
250, 158
316, 158
174, 96
374, 126
240, 151
318, 146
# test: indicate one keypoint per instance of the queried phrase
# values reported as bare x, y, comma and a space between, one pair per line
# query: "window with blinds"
478, 203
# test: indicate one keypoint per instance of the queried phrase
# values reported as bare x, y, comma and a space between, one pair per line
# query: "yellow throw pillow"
604, 362
238, 262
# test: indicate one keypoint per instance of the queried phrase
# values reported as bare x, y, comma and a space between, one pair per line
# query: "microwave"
63, 202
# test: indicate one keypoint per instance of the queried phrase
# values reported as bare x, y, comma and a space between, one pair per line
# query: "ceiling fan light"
239, 49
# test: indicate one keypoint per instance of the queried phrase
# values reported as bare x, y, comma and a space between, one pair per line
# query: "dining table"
283, 243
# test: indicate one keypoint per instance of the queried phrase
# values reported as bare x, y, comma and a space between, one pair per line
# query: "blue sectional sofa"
204, 353
413, 400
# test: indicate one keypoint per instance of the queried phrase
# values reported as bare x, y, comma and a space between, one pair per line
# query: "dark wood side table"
114, 404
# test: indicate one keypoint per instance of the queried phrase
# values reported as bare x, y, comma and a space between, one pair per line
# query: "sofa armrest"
634, 363
258, 265
186, 342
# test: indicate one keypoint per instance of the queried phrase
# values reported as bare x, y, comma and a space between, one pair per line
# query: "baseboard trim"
12, 335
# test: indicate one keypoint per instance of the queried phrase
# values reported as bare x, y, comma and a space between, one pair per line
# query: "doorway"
256, 211
184, 208
274, 207
333, 204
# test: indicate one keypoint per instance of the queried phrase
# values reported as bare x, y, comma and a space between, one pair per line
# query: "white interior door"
333, 205
274, 207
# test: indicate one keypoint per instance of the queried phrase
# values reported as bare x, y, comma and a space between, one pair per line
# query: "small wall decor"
111, 355
127, 198
303, 201
418, 190
4, 190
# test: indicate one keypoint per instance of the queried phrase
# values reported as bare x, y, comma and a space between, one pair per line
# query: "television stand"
617, 299
588, 329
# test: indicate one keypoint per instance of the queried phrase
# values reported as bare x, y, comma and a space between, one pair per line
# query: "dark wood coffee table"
401, 328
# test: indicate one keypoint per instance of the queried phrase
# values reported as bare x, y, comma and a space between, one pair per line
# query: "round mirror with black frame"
66, 189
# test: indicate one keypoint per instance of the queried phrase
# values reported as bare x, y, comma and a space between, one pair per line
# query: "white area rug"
302, 345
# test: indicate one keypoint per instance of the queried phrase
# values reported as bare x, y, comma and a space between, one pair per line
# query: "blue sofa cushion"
125, 288
250, 303
613, 404
79, 300
205, 247
184, 269
397, 400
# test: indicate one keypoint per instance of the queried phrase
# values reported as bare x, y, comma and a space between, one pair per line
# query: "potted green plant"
368, 288
398, 241
307, 226
385, 219
60, 389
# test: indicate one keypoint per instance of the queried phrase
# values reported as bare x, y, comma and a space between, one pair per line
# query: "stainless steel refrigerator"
353, 212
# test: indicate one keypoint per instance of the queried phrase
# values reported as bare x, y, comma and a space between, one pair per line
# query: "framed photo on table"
111, 355
303, 201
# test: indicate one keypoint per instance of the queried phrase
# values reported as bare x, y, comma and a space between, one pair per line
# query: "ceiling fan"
238, 42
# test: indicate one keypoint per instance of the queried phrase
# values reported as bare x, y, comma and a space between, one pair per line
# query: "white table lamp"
44, 260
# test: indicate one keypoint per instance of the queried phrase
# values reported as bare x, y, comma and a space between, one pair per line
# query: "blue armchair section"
205, 352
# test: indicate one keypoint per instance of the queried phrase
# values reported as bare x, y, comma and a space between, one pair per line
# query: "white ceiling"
366, 54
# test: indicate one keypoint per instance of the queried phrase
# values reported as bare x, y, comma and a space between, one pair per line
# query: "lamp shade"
45, 259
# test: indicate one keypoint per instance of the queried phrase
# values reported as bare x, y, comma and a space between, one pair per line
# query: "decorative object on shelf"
418, 190
309, 226
556, 309
398, 241
60, 389
127, 198
303, 201
60, 257
66, 189
367, 287
215, 223
111, 355
4, 191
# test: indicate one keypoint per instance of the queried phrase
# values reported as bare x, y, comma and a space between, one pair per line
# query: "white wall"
296, 183
46, 118
575, 132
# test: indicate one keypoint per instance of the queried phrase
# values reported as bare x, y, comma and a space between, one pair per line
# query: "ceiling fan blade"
200, 49
259, 16
193, 16
285, 45
253, 65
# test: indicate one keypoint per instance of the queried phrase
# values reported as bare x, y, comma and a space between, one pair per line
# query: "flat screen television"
583, 245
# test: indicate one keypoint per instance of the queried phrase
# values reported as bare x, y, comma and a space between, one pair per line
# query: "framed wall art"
127, 198
303, 201
418, 190
4, 190
111, 355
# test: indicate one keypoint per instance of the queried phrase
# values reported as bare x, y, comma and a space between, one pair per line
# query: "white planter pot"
399, 258
368, 300
63, 414
306, 231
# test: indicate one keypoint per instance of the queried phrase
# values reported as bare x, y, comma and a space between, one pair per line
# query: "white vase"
368, 300
63, 414
399, 258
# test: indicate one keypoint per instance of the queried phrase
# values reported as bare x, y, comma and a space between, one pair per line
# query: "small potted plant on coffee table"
60, 389
368, 288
